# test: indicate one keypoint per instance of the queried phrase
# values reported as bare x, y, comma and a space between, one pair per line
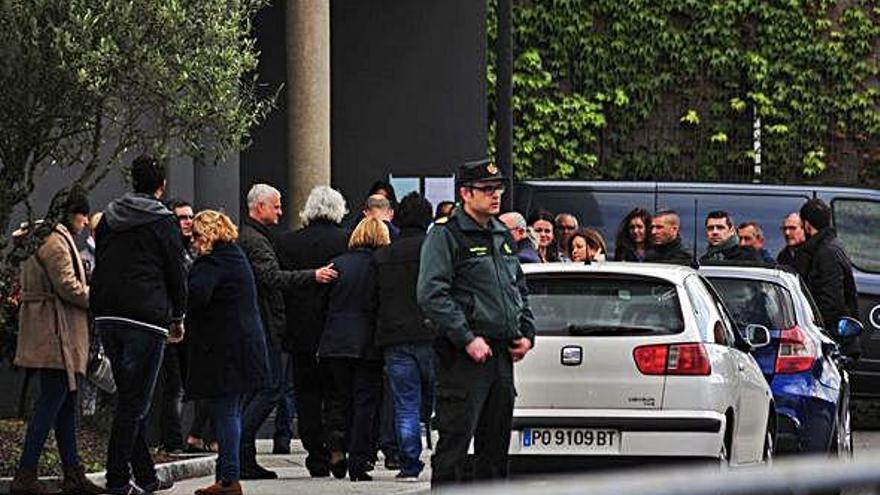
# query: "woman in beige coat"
53, 339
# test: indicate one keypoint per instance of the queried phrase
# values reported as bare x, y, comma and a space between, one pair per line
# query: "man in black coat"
665, 240
401, 331
264, 209
829, 274
138, 299
723, 243
320, 240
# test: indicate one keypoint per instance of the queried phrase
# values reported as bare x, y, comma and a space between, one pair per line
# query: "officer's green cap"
479, 170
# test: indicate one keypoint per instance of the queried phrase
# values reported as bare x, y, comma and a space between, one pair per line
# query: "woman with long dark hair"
541, 222
586, 245
53, 340
633, 236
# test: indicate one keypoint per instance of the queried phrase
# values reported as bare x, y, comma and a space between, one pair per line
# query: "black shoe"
159, 485
392, 463
257, 472
339, 468
319, 472
360, 476
401, 476
281, 447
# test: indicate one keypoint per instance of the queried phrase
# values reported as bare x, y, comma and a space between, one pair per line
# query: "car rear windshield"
756, 302
604, 305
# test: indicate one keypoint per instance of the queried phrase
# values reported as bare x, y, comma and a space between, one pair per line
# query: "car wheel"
842, 441
769, 444
724, 456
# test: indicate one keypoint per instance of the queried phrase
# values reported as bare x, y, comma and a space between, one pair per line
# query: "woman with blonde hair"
351, 365
226, 344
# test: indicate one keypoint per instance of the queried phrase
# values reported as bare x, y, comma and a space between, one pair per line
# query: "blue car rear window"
756, 302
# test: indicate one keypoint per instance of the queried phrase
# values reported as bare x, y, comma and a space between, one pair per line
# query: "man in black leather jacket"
829, 273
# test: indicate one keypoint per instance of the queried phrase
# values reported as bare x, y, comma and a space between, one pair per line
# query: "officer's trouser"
473, 401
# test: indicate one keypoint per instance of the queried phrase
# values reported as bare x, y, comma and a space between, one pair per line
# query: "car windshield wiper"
583, 330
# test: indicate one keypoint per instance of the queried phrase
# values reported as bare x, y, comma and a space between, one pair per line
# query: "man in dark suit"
320, 240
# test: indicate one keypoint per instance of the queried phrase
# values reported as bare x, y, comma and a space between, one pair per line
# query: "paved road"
295, 478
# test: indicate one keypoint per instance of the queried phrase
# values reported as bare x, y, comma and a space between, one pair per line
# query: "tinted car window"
756, 302
767, 210
858, 226
602, 210
602, 305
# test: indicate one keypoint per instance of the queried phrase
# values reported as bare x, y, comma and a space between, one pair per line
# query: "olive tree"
85, 82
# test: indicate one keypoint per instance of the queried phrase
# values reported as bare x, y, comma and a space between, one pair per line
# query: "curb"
174, 471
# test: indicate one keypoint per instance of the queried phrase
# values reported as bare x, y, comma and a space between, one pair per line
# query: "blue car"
803, 364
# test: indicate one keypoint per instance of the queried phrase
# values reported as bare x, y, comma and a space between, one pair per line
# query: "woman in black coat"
351, 365
226, 342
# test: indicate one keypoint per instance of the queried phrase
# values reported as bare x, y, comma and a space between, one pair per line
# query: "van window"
602, 210
584, 305
767, 210
858, 226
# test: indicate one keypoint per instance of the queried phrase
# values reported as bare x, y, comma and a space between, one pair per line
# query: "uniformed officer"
472, 289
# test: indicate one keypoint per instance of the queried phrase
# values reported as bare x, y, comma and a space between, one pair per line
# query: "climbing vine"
674, 88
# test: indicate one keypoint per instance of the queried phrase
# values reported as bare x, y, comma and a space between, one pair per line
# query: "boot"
25, 482
76, 483
221, 488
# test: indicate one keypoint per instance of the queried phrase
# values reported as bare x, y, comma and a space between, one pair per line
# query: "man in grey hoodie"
138, 299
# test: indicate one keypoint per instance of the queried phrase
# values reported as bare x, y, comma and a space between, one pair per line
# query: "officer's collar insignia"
507, 249
492, 169
442, 220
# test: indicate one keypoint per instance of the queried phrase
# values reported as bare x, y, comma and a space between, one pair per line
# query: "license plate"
570, 440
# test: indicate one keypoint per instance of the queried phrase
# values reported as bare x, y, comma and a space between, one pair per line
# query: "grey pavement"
294, 477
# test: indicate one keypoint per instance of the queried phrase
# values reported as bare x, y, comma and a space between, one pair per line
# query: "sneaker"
411, 478
129, 489
159, 485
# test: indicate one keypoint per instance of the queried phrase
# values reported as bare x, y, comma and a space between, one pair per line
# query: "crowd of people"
363, 332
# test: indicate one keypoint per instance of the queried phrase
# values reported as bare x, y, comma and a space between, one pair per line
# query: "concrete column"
308, 100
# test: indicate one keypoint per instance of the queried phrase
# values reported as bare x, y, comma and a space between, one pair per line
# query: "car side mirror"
849, 327
756, 335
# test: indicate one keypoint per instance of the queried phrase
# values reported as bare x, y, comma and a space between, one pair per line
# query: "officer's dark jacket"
829, 277
471, 283
671, 252
400, 320
256, 242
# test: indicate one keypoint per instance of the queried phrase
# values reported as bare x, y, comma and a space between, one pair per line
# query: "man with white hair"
518, 228
321, 239
264, 209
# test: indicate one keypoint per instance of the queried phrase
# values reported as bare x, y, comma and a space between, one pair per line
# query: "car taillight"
672, 359
797, 352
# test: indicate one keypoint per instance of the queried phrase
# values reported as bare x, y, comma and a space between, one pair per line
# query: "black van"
603, 205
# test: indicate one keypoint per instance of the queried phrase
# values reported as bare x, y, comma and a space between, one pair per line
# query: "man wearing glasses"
472, 289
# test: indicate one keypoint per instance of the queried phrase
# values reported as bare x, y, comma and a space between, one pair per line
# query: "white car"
638, 360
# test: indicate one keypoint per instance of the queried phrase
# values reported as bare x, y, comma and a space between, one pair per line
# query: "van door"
857, 221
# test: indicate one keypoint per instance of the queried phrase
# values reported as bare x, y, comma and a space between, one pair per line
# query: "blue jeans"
410, 369
55, 408
135, 355
286, 409
257, 405
225, 412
